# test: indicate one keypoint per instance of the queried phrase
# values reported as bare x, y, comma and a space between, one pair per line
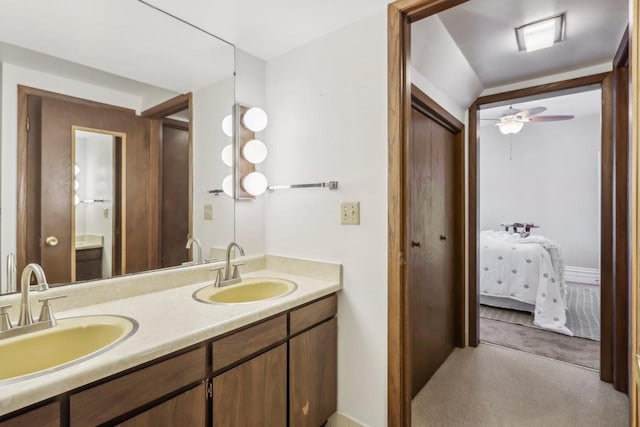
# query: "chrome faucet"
194, 240
25, 318
229, 277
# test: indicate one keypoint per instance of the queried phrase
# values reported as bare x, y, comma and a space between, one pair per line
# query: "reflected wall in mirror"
133, 98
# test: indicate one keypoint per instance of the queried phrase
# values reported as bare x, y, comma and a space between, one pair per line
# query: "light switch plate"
105, 213
350, 213
208, 212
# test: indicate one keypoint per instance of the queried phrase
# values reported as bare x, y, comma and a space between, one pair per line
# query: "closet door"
430, 268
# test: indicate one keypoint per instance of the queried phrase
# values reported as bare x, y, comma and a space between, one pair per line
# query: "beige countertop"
169, 320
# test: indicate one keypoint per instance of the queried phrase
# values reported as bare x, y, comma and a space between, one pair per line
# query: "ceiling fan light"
510, 127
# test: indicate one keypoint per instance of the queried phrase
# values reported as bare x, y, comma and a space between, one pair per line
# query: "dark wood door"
175, 194
313, 375
431, 240
186, 410
254, 393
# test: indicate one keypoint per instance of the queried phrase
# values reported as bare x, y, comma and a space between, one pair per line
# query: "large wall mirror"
110, 140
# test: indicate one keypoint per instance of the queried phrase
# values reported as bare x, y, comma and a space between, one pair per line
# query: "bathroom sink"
247, 291
72, 340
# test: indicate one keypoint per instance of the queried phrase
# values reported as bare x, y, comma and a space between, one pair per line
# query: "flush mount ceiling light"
541, 34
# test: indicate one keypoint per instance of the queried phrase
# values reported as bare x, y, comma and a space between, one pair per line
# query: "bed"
524, 273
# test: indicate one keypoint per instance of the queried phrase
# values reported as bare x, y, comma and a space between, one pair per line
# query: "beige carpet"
490, 386
579, 351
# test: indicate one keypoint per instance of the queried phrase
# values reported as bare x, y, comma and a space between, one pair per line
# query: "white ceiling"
269, 28
121, 37
581, 104
484, 32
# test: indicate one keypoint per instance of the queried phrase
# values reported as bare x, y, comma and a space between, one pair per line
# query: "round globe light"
510, 126
76, 200
255, 119
255, 183
227, 185
76, 169
76, 185
254, 151
227, 125
227, 155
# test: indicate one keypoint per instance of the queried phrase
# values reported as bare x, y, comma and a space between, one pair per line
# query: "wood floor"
492, 386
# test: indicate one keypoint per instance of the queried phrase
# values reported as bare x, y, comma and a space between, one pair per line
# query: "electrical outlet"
350, 213
208, 212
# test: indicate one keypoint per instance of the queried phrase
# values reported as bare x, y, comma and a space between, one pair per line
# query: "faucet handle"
218, 271
236, 272
46, 314
5, 322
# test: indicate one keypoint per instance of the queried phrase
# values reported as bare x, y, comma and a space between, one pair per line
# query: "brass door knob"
51, 241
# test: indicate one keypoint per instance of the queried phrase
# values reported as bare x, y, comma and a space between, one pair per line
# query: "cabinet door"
254, 393
186, 410
46, 416
313, 359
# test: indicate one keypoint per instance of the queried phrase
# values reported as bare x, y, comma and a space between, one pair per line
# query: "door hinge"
209, 389
28, 123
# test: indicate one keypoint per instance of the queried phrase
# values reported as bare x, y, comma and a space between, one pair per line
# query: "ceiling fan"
512, 120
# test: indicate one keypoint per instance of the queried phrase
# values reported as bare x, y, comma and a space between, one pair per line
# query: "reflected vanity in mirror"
110, 139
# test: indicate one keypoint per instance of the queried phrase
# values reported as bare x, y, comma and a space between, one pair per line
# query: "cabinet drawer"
235, 347
88, 254
121, 395
45, 416
312, 314
186, 410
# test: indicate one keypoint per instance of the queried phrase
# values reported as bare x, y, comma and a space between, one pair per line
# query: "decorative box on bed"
524, 273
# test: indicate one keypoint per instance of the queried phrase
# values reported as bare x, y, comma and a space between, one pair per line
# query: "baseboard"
590, 276
341, 420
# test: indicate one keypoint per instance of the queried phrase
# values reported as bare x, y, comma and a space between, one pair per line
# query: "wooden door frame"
22, 162
400, 16
158, 115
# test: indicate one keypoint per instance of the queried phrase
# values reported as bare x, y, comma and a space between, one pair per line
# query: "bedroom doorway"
539, 225
613, 359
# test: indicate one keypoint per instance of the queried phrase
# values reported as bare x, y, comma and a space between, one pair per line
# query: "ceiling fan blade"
531, 112
550, 118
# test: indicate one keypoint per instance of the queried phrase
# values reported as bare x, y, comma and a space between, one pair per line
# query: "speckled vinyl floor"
491, 386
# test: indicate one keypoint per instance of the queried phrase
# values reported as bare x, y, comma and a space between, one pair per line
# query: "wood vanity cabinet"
313, 360
44, 416
277, 372
88, 264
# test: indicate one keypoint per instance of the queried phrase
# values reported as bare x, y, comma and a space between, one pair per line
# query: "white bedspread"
528, 269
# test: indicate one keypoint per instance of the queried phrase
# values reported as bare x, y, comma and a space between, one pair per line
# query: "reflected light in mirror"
255, 151
227, 155
76, 185
227, 126
255, 119
76, 170
255, 183
227, 185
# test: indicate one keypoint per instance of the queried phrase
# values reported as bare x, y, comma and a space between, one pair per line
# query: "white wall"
210, 106
94, 156
551, 180
250, 91
451, 82
327, 103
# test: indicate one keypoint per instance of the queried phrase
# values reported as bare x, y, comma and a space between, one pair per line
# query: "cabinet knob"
51, 241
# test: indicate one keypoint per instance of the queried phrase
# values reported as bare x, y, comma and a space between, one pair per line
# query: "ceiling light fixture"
541, 34
510, 125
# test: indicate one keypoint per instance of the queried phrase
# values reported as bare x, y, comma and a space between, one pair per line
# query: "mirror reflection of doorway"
97, 202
